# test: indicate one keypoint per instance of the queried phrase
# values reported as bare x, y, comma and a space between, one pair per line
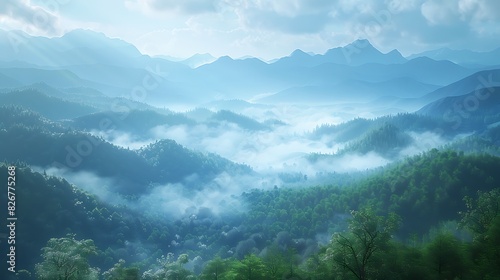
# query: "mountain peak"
198, 59
298, 53
84, 34
225, 58
360, 43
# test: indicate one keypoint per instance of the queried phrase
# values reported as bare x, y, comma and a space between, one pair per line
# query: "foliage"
173, 162
136, 122
168, 268
368, 236
67, 259
482, 212
386, 140
240, 120
445, 257
120, 272
39, 102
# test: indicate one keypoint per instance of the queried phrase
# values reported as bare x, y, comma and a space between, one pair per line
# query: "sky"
265, 28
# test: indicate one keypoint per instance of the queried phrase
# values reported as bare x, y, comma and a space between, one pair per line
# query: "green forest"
406, 221
90, 207
250, 140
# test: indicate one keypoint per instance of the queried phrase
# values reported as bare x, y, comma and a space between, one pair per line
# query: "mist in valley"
285, 161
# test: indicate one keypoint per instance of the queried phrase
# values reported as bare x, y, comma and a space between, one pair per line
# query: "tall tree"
274, 262
215, 269
67, 259
120, 272
250, 268
445, 257
481, 212
368, 235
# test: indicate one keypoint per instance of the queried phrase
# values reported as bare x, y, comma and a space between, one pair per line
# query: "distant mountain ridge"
75, 47
357, 53
464, 57
356, 72
198, 60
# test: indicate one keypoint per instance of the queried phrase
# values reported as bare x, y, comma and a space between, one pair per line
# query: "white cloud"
89, 182
122, 139
440, 12
270, 29
283, 149
189, 7
29, 18
422, 142
179, 200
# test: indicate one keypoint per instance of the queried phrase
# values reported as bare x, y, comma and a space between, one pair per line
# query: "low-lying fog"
281, 148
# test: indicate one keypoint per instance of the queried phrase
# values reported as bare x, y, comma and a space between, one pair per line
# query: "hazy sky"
265, 28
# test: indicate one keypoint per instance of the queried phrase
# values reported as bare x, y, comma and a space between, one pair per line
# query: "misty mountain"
77, 47
485, 142
238, 78
136, 122
75, 101
242, 121
483, 101
41, 103
131, 234
198, 60
409, 122
349, 90
52, 206
472, 82
476, 81
15, 116
8, 82
424, 189
301, 80
110, 65
174, 163
343, 132
422, 69
116, 68
462, 57
39, 142
387, 141
55, 78
357, 53
233, 105
331, 82
147, 156
475, 110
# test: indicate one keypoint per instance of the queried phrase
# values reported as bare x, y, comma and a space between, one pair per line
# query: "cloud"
189, 7
89, 182
440, 12
262, 150
297, 16
122, 139
180, 200
268, 29
406, 25
29, 18
193, 198
422, 142
283, 149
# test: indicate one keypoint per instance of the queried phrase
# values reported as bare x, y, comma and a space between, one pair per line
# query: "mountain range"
229, 161
357, 72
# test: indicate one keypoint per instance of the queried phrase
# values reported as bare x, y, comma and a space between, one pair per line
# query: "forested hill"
424, 190
27, 137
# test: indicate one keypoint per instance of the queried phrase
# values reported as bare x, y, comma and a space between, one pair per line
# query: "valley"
150, 167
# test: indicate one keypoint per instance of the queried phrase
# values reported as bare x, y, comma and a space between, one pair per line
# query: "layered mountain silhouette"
357, 72
464, 57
